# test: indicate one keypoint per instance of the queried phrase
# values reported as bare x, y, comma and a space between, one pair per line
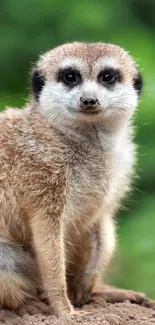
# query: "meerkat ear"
138, 83
37, 82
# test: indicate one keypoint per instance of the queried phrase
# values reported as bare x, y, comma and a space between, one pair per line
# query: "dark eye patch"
37, 82
138, 83
109, 76
70, 77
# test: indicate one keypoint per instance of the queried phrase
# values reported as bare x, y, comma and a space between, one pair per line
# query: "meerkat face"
79, 82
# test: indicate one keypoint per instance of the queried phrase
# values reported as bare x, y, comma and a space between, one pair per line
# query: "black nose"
89, 102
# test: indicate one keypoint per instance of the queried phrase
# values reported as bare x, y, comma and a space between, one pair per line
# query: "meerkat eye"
70, 77
109, 76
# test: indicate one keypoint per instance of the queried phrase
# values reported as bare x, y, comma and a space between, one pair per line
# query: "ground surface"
99, 313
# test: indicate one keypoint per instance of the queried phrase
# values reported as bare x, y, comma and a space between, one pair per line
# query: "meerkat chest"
90, 176
98, 175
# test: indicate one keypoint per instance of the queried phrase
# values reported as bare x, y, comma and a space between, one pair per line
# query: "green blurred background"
30, 27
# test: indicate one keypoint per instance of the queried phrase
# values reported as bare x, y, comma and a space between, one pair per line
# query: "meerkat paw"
81, 313
33, 307
113, 295
81, 297
81, 294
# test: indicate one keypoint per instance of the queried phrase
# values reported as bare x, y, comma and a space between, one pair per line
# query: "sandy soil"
99, 312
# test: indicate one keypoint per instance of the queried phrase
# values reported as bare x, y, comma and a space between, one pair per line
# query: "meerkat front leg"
83, 272
47, 230
91, 256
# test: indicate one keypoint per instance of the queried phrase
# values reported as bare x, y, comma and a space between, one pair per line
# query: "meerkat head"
91, 83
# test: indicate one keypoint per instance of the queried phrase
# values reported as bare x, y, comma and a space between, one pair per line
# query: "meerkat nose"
88, 102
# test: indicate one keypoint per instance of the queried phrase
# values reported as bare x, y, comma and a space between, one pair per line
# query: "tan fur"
89, 53
60, 189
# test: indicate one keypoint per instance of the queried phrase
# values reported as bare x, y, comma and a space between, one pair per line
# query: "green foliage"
30, 27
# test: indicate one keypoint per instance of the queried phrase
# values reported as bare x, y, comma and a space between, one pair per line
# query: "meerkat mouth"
89, 111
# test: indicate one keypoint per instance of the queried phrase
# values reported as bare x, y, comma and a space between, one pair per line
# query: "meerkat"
66, 161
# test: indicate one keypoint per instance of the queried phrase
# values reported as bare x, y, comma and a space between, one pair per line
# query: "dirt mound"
99, 313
